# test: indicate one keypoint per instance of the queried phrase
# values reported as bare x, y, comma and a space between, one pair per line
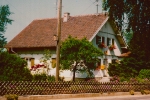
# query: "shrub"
43, 77
127, 68
39, 77
145, 92
131, 92
13, 68
50, 78
115, 79
144, 73
11, 97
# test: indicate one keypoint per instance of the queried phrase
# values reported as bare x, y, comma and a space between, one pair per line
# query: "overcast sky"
25, 11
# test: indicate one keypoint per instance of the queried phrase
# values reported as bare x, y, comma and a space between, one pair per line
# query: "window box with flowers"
102, 45
112, 47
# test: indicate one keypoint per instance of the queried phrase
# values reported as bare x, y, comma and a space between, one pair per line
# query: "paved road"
130, 97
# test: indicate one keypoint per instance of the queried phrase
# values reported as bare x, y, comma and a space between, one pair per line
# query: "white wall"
68, 75
107, 31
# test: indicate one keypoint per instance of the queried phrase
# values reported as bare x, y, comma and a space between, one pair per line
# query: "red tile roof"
39, 33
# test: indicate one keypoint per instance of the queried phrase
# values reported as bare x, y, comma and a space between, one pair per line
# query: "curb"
64, 96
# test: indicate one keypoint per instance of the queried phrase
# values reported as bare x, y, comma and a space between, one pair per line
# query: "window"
103, 40
53, 62
98, 39
105, 61
112, 41
108, 41
113, 61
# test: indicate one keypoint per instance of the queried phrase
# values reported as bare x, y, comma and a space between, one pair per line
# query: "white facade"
105, 32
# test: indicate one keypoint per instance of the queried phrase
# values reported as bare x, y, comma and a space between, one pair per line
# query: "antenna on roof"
56, 6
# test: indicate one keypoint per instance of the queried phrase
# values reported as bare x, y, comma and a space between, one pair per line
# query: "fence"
49, 88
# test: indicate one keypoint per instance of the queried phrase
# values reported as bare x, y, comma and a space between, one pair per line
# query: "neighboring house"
38, 36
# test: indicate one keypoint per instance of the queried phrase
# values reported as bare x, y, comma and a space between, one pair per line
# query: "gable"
108, 36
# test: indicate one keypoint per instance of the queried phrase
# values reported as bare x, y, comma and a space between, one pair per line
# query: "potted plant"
111, 47
102, 45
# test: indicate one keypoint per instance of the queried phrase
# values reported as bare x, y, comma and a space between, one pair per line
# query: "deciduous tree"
81, 53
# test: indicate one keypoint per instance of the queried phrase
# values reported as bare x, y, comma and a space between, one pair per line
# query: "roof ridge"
88, 15
71, 16
45, 18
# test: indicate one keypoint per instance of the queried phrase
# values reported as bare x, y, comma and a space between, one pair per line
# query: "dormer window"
100, 41
112, 41
112, 45
108, 41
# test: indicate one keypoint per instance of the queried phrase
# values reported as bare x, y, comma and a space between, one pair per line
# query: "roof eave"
98, 29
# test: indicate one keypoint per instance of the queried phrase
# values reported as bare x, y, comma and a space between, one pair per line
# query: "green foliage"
128, 36
74, 50
45, 59
40, 77
13, 68
133, 15
4, 20
43, 77
46, 56
144, 73
11, 97
128, 67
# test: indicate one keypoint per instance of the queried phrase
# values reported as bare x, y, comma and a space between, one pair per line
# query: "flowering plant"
111, 47
102, 45
37, 66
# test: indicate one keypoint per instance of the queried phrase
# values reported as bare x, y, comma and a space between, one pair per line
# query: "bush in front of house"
43, 77
127, 68
13, 68
144, 73
39, 77
115, 79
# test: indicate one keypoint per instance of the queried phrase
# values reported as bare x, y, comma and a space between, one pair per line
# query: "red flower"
112, 47
102, 45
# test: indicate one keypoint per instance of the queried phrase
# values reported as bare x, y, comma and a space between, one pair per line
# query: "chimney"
66, 17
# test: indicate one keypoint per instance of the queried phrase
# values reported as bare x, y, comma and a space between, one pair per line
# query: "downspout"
13, 51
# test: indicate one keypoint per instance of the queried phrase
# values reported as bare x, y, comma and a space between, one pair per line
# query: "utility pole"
97, 5
59, 39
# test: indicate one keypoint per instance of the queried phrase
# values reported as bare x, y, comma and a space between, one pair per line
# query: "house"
97, 28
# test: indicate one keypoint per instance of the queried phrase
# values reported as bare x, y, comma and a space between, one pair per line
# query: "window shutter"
32, 61
53, 62
98, 39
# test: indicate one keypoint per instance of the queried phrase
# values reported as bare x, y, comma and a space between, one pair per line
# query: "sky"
25, 11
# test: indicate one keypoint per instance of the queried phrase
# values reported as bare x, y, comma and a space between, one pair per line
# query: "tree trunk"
74, 71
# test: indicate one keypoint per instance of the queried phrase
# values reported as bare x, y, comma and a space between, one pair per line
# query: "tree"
13, 68
127, 68
128, 36
4, 20
45, 59
74, 52
133, 15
